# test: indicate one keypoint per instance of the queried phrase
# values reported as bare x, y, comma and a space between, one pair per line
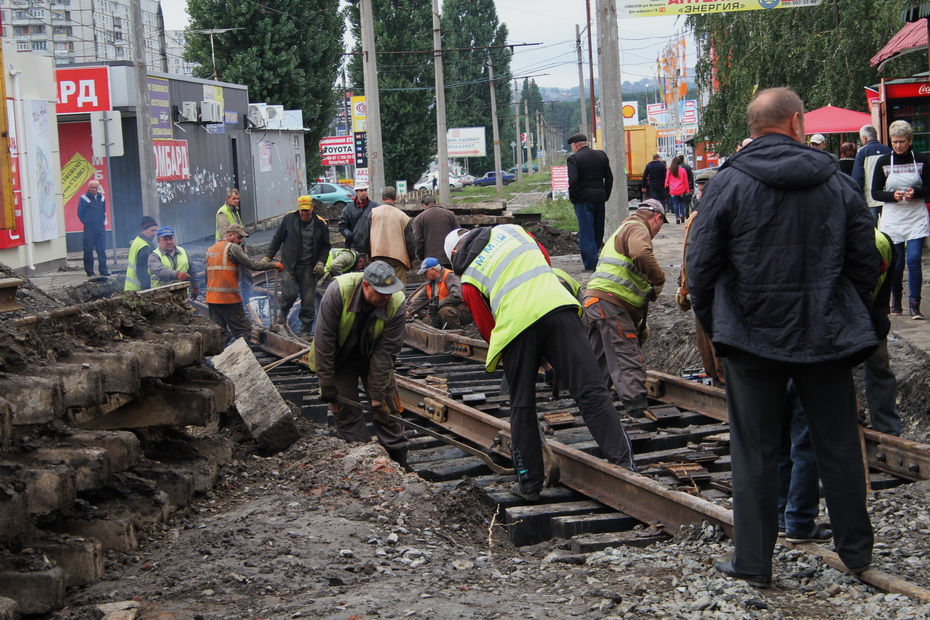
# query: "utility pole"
445, 196
612, 110
372, 100
147, 172
516, 127
542, 140
529, 145
584, 112
593, 132
498, 179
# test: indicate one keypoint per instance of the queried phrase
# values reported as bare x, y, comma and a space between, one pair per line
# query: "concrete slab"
83, 385
91, 465
9, 610
6, 425
258, 402
159, 405
114, 533
201, 377
14, 509
36, 592
187, 346
35, 400
175, 482
46, 488
80, 560
122, 447
120, 369
156, 359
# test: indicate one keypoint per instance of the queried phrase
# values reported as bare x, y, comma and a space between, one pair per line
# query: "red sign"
871, 95
171, 161
560, 178
83, 89
78, 167
338, 151
910, 89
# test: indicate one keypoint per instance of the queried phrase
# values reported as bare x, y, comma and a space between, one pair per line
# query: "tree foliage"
406, 83
822, 52
470, 24
287, 55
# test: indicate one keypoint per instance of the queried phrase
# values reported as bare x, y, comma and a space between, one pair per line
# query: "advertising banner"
159, 108
361, 150
560, 178
657, 113
338, 151
657, 8
15, 236
41, 176
466, 142
630, 112
361, 176
171, 160
359, 113
78, 166
264, 156
83, 89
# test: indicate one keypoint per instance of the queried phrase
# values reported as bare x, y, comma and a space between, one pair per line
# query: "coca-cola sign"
909, 89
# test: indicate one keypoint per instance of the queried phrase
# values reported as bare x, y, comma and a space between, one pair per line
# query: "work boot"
529, 496
896, 305
636, 408
915, 310
399, 455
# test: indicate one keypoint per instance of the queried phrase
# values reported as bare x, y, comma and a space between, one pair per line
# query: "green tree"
822, 52
287, 55
474, 24
406, 83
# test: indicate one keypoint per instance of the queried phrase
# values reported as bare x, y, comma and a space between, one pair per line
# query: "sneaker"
531, 496
818, 535
759, 581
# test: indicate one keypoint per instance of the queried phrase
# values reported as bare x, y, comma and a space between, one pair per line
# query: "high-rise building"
175, 42
82, 31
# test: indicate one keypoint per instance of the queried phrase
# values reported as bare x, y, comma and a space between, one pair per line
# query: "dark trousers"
881, 391
560, 339
95, 240
350, 421
756, 394
798, 482
590, 231
301, 283
231, 317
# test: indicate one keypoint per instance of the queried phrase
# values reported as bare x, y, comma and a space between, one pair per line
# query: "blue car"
332, 194
490, 178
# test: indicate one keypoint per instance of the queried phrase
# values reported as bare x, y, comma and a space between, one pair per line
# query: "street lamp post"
211, 32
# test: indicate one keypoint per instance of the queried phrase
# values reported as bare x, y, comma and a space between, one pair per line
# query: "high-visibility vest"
232, 218
336, 252
347, 284
443, 289
616, 274
520, 285
132, 276
570, 283
884, 249
222, 275
183, 264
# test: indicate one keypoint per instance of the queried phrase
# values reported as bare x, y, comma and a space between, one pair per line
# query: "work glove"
381, 413
195, 293
318, 269
656, 291
266, 261
329, 393
683, 301
279, 266
184, 277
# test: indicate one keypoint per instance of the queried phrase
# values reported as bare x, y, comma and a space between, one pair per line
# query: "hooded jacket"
782, 261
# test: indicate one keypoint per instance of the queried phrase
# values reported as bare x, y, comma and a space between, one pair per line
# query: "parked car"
535, 168
332, 194
427, 184
466, 179
489, 178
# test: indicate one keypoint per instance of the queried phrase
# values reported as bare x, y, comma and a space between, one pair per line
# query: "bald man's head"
776, 110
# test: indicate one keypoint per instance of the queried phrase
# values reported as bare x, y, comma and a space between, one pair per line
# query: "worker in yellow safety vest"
169, 264
137, 265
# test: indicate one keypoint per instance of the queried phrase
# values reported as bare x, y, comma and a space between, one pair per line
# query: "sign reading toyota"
339, 151
83, 89
466, 142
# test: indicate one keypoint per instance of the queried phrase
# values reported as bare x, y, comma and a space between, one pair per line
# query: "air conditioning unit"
274, 115
257, 115
211, 112
187, 112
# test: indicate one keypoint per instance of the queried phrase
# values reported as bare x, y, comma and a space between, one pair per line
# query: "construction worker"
359, 334
228, 213
137, 265
303, 238
571, 285
443, 292
224, 259
525, 314
169, 264
386, 234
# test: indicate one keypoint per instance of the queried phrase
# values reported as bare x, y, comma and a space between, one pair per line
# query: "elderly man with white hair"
864, 167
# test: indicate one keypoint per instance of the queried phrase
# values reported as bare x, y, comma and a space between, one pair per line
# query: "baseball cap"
578, 137
305, 203
236, 228
428, 263
452, 240
165, 231
361, 186
651, 204
381, 276
818, 139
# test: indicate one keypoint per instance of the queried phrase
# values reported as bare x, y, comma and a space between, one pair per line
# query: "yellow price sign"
74, 175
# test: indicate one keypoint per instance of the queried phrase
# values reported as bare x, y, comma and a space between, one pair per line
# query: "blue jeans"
798, 483
590, 231
914, 273
880, 391
680, 207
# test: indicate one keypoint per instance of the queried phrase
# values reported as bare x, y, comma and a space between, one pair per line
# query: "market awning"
832, 119
911, 38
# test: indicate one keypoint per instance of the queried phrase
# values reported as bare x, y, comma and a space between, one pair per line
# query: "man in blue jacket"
864, 166
781, 268
92, 211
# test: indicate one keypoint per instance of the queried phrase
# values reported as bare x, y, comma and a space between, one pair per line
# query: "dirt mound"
557, 242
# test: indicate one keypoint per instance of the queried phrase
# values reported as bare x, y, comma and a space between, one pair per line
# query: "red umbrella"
832, 119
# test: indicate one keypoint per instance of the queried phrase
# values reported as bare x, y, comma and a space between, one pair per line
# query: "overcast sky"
552, 23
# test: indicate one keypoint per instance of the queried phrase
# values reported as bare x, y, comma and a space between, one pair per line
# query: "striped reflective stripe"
526, 245
132, 279
513, 283
629, 284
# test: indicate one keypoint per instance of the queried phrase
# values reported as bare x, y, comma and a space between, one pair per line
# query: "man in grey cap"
359, 334
589, 183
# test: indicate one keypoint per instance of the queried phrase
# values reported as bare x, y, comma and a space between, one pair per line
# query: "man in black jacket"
352, 214
303, 238
654, 179
589, 183
781, 268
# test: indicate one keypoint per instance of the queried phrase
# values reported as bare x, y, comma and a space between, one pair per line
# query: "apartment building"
175, 42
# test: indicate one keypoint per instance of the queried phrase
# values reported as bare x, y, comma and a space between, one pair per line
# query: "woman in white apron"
902, 181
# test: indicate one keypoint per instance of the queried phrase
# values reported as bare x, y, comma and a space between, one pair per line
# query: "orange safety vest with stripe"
443, 289
222, 275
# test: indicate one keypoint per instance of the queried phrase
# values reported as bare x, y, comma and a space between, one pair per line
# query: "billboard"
658, 8
171, 160
83, 89
466, 142
359, 113
559, 178
78, 166
338, 151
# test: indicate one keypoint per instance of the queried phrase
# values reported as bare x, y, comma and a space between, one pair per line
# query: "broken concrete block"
123, 610
6, 425
176, 483
35, 400
9, 610
121, 370
80, 560
36, 592
224, 390
114, 533
47, 488
84, 386
262, 409
122, 447
214, 340
187, 347
91, 465
156, 359
14, 508
158, 404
